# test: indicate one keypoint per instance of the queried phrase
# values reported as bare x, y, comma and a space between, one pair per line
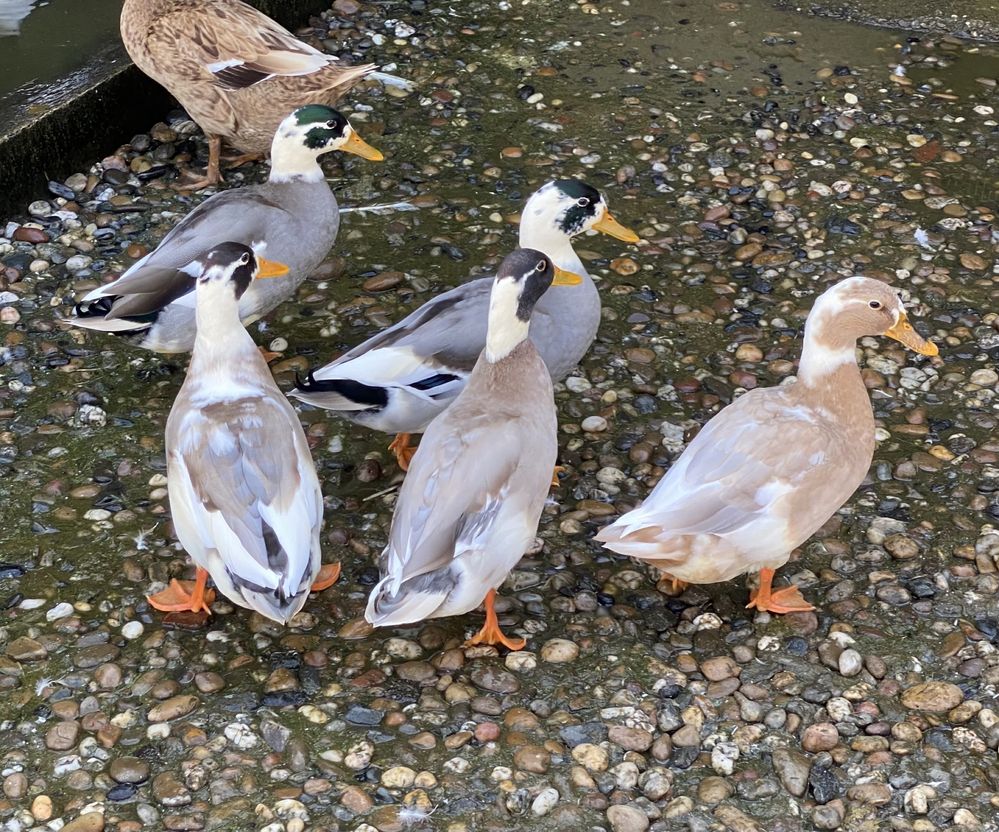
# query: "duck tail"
413, 601
338, 393
93, 314
273, 604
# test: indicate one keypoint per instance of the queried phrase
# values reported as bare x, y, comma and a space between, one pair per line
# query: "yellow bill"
356, 145
564, 278
609, 225
903, 332
270, 268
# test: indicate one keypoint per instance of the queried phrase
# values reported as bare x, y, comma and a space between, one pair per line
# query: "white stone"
546, 800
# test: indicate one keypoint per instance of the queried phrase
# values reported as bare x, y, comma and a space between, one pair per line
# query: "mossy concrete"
113, 102
970, 19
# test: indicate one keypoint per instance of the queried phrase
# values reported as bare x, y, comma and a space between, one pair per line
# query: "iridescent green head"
321, 129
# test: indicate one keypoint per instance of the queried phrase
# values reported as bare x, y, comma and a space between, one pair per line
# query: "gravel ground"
757, 167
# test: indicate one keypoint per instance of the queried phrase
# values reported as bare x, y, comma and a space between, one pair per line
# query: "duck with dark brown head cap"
771, 468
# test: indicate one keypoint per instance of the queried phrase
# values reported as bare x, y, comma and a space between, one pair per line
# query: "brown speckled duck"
235, 71
771, 468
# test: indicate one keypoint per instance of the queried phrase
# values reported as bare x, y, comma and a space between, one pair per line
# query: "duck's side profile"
293, 217
244, 496
399, 380
771, 468
470, 505
235, 71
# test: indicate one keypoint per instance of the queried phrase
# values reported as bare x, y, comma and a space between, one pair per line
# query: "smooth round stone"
594, 424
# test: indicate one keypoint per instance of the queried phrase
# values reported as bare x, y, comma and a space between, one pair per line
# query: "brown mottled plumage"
235, 71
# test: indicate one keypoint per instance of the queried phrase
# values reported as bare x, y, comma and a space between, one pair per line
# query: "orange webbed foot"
491, 634
185, 596
402, 450
555, 480
780, 601
675, 585
328, 575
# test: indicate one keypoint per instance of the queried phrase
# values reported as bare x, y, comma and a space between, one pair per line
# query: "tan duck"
771, 468
235, 71
470, 505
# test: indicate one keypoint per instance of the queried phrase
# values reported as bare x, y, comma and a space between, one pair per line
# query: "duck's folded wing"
156, 280
733, 474
429, 351
238, 45
253, 490
452, 495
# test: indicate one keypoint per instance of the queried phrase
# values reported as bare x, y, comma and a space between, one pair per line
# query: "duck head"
849, 310
523, 277
568, 207
231, 267
309, 132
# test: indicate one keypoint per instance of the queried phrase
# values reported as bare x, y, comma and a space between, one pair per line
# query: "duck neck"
506, 330
553, 244
222, 343
828, 353
291, 160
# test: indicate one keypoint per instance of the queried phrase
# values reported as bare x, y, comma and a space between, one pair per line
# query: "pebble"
559, 651
933, 696
627, 818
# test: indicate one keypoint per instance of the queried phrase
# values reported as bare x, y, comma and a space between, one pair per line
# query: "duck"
766, 472
293, 217
235, 71
244, 495
402, 378
471, 502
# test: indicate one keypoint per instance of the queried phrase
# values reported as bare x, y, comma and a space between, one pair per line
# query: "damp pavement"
760, 156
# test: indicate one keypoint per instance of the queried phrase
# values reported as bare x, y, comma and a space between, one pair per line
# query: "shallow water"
52, 42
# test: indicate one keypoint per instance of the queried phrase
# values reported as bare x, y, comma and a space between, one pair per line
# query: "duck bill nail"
903, 332
609, 225
356, 145
270, 268
564, 278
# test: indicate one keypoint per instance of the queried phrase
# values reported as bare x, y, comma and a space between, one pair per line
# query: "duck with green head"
293, 217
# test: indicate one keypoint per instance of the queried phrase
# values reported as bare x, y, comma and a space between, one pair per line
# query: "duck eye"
583, 201
331, 125
875, 304
244, 260
540, 267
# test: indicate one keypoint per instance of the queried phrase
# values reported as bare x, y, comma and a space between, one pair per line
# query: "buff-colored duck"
235, 71
771, 468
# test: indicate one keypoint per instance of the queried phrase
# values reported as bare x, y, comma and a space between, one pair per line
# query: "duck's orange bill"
564, 278
270, 268
356, 145
903, 332
609, 225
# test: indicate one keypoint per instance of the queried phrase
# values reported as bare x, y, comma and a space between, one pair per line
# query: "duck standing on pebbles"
771, 468
399, 380
470, 505
244, 496
235, 71
293, 217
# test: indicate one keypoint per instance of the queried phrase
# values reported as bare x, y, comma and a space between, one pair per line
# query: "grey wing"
448, 330
154, 281
252, 488
464, 471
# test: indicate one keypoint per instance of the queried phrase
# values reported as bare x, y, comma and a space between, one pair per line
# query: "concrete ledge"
110, 103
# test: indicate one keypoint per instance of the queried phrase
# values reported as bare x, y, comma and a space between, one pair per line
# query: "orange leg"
491, 634
555, 480
328, 575
403, 451
267, 355
185, 596
779, 601
212, 175
676, 585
